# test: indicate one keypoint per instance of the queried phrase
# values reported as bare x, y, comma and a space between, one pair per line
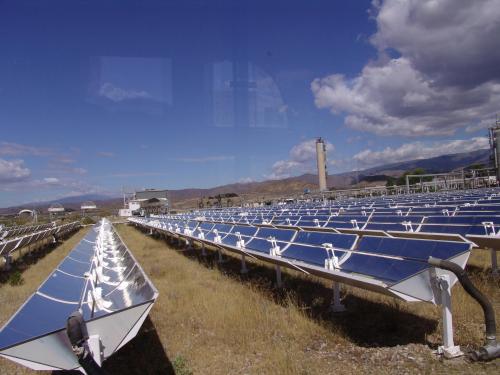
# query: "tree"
476, 166
391, 181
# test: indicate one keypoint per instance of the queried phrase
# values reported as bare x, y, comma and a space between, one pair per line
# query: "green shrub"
180, 366
87, 220
16, 279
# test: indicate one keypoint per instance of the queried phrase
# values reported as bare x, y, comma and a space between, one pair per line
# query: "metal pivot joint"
76, 330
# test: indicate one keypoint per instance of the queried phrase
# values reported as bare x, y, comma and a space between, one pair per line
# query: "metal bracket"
241, 242
217, 238
489, 228
275, 249
408, 226
332, 261
95, 346
354, 223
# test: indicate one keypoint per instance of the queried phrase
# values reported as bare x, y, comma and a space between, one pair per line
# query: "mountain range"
184, 198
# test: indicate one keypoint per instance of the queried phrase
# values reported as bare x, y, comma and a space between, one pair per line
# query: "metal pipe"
491, 349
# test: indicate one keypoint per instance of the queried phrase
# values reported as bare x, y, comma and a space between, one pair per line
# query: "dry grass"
220, 323
210, 320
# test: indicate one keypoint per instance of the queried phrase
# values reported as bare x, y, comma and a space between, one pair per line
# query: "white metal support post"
448, 349
203, 250
336, 305
244, 269
8, 262
279, 283
494, 263
221, 259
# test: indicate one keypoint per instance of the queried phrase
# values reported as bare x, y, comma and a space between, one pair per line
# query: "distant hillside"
189, 197
284, 187
69, 203
439, 164
80, 198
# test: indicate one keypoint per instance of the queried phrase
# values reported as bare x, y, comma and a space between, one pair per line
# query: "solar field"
98, 283
384, 245
390, 246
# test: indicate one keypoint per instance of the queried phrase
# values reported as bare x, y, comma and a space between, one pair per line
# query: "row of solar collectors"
421, 211
425, 199
463, 225
101, 277
402, 210
484, 225
468, 195
384, 260
120, 277
12, 244
16, 231
485, 198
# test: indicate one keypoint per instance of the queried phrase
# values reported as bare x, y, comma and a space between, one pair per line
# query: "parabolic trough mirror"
99, 290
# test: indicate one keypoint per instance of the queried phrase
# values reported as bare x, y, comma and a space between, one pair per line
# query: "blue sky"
173, 94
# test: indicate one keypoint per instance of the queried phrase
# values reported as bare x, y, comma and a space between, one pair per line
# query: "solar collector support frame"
114, 300
353, 280
423, 230
319, 271
11, 245
7, 232
440, 291
473, 202
439, 235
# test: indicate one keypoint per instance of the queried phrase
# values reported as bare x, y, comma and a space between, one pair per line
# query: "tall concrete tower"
495, 146
321, 158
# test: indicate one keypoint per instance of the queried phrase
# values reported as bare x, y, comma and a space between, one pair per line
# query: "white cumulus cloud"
437, 71
245, 180
302, 159
51, 180
16, 149
13, 171
418, 150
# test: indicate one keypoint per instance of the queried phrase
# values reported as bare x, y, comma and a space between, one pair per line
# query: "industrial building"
147, 202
